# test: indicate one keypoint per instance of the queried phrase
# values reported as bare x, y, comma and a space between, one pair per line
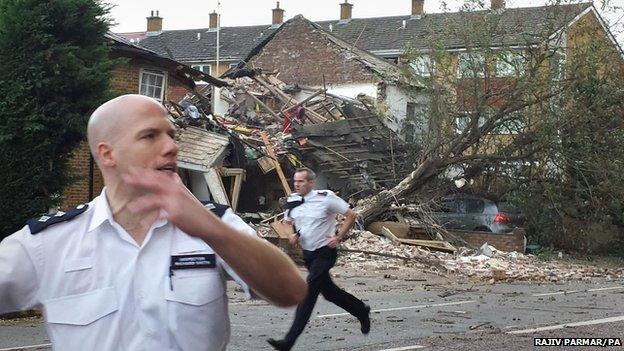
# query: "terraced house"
411, 39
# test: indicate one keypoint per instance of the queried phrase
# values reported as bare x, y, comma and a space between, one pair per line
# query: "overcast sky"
187, 14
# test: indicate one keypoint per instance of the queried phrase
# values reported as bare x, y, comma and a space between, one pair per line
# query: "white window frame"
161, 74
469, 63
232, 65
201, 66
510, 64
423, 65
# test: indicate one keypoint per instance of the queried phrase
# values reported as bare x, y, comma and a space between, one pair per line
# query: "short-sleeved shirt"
100, 290
315, 218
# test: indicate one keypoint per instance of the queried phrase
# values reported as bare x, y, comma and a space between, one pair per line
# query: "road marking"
26, 347
400, 308
575, 324
579, 291
405, 348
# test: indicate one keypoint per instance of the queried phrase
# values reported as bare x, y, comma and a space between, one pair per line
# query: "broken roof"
359, 149
367, 61
199, 149
379, 35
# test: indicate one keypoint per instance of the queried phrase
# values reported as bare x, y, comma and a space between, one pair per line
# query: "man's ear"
105, 154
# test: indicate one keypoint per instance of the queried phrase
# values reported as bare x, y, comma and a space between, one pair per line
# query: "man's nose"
171, 147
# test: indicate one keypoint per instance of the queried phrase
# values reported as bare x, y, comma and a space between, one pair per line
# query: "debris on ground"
369, 252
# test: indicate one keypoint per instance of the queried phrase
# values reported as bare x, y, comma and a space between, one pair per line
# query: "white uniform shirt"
315, 218
100, 290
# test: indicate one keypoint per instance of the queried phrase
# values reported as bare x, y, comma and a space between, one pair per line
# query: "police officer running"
312, 214
143, 265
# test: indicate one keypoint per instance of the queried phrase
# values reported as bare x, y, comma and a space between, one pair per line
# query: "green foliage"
576, 203
540, 123
54, 70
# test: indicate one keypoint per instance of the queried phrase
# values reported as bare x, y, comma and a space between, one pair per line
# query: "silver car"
475, 213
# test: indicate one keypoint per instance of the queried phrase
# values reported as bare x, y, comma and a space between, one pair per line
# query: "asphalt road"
418, 312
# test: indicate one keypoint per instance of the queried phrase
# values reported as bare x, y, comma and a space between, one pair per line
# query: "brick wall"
303, 55
125, 80
514, 241
78, 192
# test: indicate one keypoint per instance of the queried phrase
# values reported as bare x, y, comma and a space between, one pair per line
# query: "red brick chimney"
214, 19
418, 8
497, 4
278, 15
154, 23
345, 11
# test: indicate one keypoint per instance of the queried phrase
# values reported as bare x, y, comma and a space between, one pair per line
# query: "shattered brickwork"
125, 80
303, 55
513, 241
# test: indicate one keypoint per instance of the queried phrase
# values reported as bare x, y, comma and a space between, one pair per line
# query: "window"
462, 122
473, 206
152, 84
447, 206
514, 124
204, 68
232, 65
470, 64
423, 66
509, 64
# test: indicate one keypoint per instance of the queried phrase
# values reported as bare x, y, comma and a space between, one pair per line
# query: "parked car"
476, 213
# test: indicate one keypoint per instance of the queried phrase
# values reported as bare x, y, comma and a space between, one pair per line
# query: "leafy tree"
538, 122
577, 203
54, 70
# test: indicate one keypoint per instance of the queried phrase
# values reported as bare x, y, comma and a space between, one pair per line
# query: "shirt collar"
102, 213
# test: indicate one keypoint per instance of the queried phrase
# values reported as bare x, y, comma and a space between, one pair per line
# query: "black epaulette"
216, 208
292, 202
38, 224
323, 193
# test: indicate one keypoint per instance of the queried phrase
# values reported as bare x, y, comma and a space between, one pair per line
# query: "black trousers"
318, 263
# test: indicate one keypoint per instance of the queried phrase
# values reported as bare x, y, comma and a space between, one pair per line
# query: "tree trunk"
374, 206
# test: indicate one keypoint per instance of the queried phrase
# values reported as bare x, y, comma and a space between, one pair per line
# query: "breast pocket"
79, 321
197, 309
195, 287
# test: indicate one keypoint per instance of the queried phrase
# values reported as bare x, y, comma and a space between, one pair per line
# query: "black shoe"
280, 345
365, 320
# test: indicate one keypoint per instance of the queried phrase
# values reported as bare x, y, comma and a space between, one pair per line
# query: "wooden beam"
236, 187
239, 177
278, 168
215, 185
319, 92
267, 108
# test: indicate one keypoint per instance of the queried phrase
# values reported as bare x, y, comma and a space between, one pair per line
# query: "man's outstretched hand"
164, 194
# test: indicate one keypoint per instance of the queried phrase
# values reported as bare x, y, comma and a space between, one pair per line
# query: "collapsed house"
268, 133
308, 56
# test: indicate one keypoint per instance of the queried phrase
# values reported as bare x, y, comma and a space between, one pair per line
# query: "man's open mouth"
169, 167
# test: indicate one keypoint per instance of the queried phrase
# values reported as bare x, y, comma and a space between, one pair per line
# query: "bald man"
143, 265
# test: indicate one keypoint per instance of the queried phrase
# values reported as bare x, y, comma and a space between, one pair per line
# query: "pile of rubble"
372, 253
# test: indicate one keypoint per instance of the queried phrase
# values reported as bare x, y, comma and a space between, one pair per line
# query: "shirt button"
140, 295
